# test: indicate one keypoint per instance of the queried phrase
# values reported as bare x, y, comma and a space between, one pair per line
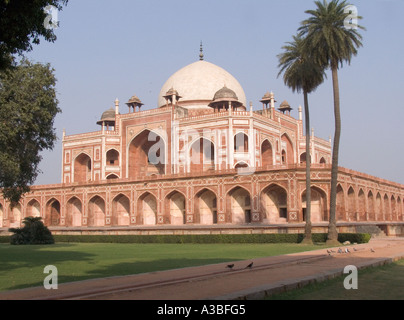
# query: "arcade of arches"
237, 201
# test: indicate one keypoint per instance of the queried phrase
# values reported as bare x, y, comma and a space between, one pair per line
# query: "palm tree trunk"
307, 231
332, 229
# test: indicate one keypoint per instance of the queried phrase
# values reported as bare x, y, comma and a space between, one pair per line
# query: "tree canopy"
28, 107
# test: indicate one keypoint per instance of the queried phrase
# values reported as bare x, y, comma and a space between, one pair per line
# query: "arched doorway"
82, 168
371, 206
202, 156
287, 152
113, 158
120, 211
340, 208
361, 206
15, 216
267, 154
206, 207
96, 212
241, 142
147, 155
52, 216
147, 209
274, 204
318, 205
175, 208
239, 201
74, 213
351, 205
33, 209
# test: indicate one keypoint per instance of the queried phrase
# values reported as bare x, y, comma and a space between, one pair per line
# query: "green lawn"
22, 266
380, 283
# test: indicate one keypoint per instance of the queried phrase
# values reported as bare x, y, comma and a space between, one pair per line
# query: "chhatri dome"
198, 83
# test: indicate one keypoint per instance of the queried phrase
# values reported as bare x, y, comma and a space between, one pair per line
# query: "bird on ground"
250, 265
329, 251
339, 250
230, 266
354, 249
347, 250
371, 249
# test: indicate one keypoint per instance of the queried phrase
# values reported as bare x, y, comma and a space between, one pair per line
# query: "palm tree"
332, 43
301, 74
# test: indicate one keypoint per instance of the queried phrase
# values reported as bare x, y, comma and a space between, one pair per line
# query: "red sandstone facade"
200, 161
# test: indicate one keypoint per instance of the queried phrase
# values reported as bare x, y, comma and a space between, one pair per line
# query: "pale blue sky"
114, 49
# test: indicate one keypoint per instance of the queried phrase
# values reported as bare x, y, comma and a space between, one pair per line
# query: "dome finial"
201, 54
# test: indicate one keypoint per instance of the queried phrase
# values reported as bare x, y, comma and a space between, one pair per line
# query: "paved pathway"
268, 275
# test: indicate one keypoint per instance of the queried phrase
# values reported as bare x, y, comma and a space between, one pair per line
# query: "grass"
22, 266
378, 283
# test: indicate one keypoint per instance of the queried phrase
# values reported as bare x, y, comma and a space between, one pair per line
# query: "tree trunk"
307, 231
332, 229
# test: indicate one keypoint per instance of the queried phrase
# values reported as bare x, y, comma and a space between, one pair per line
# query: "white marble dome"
198, 83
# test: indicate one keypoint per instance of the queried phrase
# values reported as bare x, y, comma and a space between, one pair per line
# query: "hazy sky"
115, 49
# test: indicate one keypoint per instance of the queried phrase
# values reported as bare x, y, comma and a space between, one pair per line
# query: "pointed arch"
351, 204
52, 213
147, 209
175, 208
201, 155
378, 207
386, 208
82, 171
120, 210
267, 154
241, 142
274, 204
393, 208
33, 208
15, 215
147, 154
205, 207
371, 206
341, 210
96, 212
288, 155
361, 205
318, 204
112, 157
238, 200
74, 212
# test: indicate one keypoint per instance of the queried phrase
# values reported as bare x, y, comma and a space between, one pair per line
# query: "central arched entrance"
147, 155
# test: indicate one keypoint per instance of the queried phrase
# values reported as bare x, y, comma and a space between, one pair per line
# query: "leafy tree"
33, 232
22, 24
301, 74
28, 107
332, 42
